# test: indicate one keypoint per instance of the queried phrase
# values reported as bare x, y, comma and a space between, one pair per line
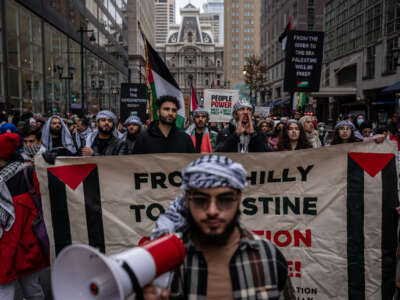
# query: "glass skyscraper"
216, 6
40, 55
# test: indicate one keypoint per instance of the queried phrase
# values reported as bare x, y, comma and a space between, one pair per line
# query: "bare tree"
255, 74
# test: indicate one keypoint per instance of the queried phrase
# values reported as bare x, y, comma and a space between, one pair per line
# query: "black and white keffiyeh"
82, 136
66, 137
209, 171
7, 210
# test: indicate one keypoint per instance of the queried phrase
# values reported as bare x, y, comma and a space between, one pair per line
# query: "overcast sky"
182, 3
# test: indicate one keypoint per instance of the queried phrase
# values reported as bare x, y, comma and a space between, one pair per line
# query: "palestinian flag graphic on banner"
363, 170
85, 177
161, 82
283, 36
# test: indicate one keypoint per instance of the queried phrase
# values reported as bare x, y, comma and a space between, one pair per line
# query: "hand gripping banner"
331, 210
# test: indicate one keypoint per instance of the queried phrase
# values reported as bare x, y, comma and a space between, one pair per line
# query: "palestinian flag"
62, 181
283, 36
160, 82
373, 170
193, 100
299, 100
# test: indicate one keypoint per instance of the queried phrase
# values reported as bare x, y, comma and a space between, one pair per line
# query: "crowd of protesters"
29, 135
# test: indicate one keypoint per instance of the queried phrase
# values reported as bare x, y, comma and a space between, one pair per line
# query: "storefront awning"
395, 88
335, 92
281, 101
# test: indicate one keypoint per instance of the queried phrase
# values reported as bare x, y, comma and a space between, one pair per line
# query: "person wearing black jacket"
241, 136
133, 126
104, 140
162, 135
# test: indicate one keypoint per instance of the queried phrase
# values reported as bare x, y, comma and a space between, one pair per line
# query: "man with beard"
133, 126
204, 140
83, 130
162, 135
57, 140
220, 252
104, 140
241, 136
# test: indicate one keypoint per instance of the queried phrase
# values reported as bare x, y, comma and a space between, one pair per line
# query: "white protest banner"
331, 210
262, 111
219, 104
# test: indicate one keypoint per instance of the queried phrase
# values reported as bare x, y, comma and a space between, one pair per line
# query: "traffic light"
73, 98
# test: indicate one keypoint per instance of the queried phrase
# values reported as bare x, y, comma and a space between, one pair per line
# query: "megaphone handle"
135, 283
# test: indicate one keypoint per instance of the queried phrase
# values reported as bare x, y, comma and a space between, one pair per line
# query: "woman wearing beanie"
21, 255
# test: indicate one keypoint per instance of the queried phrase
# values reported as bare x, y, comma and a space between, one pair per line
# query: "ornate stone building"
192, 55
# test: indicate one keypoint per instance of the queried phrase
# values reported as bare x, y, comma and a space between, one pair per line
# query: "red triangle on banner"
372, 163
72, 175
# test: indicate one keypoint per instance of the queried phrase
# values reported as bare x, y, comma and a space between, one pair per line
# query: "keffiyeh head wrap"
200, 111
241, 104
303, 120
66, 137
209, 171
106, 114
102, 114
133, 120
290, 121
344, 123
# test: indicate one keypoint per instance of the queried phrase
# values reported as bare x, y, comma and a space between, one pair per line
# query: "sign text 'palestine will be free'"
303, 61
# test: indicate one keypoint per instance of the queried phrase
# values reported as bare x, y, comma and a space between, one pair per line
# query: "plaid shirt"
258, 270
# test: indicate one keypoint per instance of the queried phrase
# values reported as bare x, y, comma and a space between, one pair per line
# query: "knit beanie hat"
9, 143
8, 127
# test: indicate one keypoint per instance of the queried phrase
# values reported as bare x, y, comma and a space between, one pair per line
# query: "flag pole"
146, 73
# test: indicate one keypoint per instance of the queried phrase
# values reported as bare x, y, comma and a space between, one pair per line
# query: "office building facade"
360, 71
139, 11
164, 16
212, 19
41, 69
241, 36
275, 14
216, 7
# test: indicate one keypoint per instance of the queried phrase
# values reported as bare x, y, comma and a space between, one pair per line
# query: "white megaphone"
83, 272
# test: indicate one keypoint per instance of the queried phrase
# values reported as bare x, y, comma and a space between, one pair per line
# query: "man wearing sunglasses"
223, 259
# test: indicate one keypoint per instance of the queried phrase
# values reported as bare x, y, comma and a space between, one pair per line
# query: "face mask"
32, 150
322, 129
360, 121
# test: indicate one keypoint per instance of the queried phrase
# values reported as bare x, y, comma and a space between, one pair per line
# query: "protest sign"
219, 104
303, 61
262, 111
331, 211
133, 99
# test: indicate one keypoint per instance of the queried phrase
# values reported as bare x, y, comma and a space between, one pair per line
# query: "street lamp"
115, 92
245, 73
70, 76
91, 39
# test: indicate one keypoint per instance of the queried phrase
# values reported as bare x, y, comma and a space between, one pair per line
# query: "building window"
390, 64
392, 16
370, 63
373, 23
310, 15
327, 75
